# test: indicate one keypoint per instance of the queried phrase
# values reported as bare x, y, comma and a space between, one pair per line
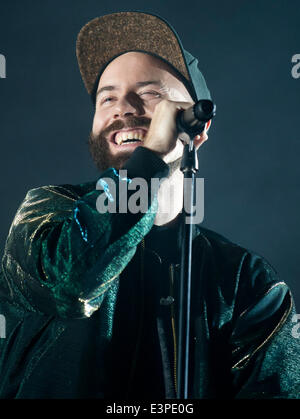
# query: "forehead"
135, 67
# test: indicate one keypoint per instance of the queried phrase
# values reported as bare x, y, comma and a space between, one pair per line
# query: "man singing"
90, 297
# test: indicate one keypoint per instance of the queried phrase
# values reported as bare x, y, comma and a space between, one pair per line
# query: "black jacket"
83, 295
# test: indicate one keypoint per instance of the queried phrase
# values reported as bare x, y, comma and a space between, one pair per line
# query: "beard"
101, 153
99, 144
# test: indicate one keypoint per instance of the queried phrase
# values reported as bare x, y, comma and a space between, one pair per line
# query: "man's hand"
162, 135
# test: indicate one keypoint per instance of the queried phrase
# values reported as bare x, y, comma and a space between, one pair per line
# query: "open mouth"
131, 136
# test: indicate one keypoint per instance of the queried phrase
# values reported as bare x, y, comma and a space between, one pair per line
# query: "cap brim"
104, 38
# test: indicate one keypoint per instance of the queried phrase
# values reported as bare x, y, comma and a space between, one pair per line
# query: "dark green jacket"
62, 282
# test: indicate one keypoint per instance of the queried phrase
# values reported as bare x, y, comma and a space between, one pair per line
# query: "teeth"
122, 136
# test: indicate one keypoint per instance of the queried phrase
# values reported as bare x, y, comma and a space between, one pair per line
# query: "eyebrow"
138, 84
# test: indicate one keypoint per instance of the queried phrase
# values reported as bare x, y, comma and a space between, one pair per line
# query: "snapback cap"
104, 38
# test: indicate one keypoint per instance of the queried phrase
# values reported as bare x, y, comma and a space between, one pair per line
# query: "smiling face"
128, 91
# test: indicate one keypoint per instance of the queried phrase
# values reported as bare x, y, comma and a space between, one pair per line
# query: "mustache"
130, 122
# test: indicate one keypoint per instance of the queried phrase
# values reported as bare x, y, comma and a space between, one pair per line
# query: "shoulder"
218, 247
50, 202
234, 266
66, 191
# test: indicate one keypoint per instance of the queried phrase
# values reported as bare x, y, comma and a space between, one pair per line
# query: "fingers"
162, 135
169, 104
199, 140
184, 105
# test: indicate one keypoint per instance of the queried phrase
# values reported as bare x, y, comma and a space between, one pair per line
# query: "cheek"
150, 106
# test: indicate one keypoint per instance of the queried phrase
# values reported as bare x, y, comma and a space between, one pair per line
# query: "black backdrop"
250, 163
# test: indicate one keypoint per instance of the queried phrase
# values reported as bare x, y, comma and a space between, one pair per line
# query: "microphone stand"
203, 111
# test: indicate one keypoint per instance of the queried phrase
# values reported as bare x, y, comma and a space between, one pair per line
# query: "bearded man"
90, 298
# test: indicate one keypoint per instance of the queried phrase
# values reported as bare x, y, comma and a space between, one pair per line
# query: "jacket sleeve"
62, 254
265, 349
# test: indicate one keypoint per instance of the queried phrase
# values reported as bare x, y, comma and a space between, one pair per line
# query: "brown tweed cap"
104, 38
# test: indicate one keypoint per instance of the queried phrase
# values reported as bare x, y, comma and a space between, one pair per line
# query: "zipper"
172, 312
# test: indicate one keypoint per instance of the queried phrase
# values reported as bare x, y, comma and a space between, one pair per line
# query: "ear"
201, 138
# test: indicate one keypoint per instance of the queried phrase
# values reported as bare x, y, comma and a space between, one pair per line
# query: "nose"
128, 105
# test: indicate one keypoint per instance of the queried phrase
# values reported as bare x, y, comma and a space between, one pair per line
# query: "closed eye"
150, 93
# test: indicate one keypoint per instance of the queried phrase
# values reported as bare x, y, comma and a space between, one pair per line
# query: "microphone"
192, 120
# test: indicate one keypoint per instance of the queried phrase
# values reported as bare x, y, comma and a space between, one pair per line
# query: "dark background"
251, 161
